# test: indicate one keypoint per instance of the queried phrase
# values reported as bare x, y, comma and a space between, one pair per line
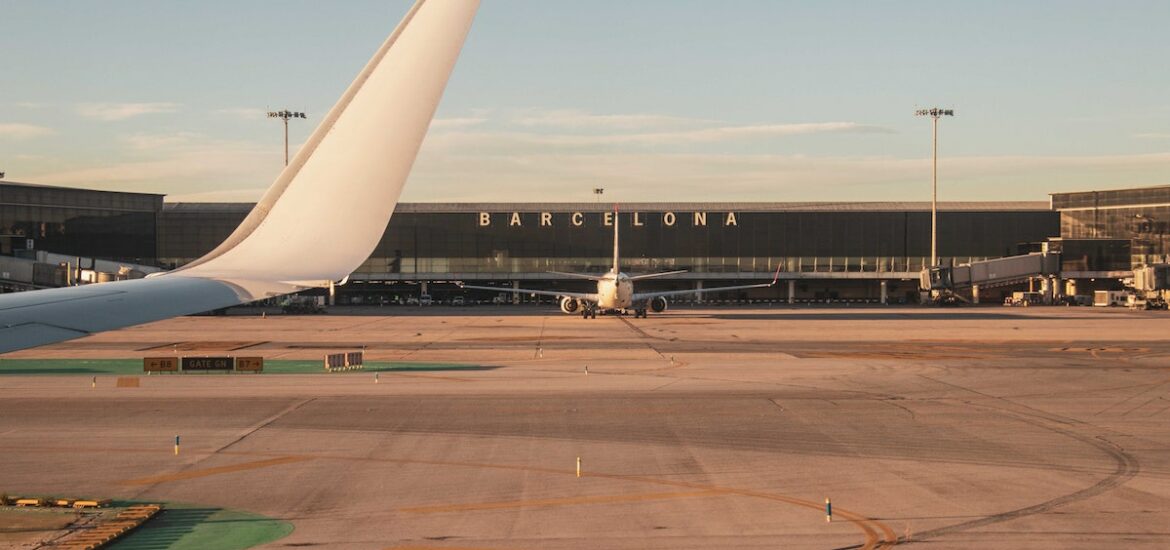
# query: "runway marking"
874, 540
553, 502
428, 376
869, 527
194, 474
437, 548
208, 345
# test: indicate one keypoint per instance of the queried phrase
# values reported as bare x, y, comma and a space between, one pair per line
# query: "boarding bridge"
951, 283
41, 269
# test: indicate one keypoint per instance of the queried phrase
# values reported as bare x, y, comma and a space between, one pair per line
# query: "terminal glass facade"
489, 241
708, 241
1139, 216
97, 224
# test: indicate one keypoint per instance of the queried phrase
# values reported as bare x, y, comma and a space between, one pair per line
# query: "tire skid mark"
1126, 466
878, 535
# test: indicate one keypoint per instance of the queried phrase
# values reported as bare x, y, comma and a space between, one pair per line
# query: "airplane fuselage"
615, 291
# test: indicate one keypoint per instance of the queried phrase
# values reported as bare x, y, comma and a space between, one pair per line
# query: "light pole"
934, 113
285, 115
598, 191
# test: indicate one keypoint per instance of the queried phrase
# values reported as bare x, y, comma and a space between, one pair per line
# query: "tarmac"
696, 428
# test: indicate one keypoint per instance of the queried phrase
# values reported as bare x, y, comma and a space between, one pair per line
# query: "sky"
652, 100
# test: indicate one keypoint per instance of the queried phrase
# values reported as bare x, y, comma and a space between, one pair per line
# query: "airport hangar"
843, 251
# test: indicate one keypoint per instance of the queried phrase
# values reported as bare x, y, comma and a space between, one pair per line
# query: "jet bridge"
951, 283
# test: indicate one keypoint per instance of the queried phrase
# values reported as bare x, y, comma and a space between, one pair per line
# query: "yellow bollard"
578, 466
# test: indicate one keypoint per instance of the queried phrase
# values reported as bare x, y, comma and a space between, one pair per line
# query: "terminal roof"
429, 207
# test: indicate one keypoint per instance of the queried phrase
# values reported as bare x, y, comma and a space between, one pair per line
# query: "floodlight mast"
934, 113
285, 115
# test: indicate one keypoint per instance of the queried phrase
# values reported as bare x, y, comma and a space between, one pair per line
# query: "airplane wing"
653, 275
318, 221
640, 296
590, 296
577, 275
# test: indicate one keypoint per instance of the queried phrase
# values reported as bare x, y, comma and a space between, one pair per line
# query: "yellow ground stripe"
193, 474
437, 548
551, 502
869, 526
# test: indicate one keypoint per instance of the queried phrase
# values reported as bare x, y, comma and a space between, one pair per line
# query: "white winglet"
326, 212
317, 223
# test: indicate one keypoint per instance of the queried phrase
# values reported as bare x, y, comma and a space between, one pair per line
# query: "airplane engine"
658, 305
570, 305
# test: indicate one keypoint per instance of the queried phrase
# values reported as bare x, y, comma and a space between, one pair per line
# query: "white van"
425, 300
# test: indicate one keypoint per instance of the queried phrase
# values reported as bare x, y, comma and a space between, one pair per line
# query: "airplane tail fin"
616, 256
327, 210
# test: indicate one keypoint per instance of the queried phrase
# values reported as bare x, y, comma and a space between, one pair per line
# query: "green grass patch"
274, 366
192, 527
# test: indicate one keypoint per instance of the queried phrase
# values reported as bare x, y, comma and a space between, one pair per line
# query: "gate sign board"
249, 364
334, 361
207, 363
344, 361
160, 364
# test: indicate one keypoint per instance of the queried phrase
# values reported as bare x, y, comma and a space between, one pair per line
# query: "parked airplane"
346, 179
615, 290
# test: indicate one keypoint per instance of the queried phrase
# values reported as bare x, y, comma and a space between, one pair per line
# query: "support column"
515, 295
699, 295
974, 294
792, 291
885, 292
332, 294
423, 288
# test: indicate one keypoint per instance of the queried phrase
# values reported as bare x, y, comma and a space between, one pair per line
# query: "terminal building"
824, 251
855, 251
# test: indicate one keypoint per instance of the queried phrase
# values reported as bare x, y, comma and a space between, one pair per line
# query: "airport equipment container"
1108, 298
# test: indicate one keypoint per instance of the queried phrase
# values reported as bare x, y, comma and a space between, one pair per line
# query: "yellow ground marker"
195, 474
565, 501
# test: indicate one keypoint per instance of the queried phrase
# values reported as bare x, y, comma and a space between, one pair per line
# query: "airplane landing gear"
588, 313
640, 313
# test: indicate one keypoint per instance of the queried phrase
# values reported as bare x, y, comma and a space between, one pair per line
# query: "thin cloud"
727, 133
704, 177
456, 122
575, 119
497, 140
172, 163
246, 113
110, 112
226, 195
21, 131
1152, 135
153, 142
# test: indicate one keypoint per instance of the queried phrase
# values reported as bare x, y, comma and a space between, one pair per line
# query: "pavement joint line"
414, 547
428, 376
217, 470
868, 526
563, 501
